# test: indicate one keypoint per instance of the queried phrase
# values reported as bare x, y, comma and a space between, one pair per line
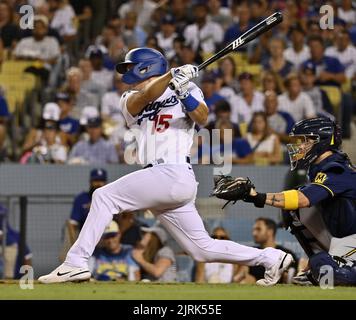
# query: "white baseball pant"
169, 190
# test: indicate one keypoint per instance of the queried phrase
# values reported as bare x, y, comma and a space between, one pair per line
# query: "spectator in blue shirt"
329, 70
81, 205
114, 260
4, 111
95, 150
67, 124
13, 259
239, 28
208, 86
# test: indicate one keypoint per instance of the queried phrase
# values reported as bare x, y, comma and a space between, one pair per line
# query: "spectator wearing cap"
67, 124
100, 75
298, 52
219, 14
208, 87
244, 23
277, 61
80, 209
45, 144
96, 150
39, 47
203, 35
133, 34
279, 122
294, 101
345, 52
329, 70
156, 258
9, 31
166, 35
114, 260
319, 97
247, 102
4, 115
13, 260
79, 96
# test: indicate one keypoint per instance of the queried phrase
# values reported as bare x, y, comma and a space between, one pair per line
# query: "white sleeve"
130, 119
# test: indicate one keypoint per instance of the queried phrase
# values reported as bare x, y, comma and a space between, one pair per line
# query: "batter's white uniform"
164, 135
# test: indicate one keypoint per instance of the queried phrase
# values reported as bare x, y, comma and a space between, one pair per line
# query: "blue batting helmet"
146, 63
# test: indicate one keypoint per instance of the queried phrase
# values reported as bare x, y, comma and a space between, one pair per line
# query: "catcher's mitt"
231, 189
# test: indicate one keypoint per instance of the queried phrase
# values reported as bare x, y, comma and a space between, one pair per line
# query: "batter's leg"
155, 187
187, 228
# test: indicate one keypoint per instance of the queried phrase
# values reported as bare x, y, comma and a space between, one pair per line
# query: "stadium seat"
334, 94
15, 66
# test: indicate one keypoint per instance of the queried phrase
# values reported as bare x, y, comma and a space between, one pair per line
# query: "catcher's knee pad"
321, 262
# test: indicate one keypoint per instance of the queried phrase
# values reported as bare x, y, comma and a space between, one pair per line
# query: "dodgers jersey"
163, 130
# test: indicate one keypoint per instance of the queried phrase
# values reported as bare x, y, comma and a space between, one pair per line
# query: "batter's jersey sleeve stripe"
327, 188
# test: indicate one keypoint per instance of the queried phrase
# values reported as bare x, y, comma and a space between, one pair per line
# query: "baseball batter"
162, 120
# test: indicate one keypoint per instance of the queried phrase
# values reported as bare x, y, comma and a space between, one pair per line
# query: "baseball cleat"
304, 279
273, 274
65, 273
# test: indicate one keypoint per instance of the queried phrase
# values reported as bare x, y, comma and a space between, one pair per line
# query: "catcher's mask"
310, 138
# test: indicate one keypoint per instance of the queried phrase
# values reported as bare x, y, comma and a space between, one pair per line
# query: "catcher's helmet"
310, 138
145, 62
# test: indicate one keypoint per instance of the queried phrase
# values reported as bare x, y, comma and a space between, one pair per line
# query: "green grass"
188, 291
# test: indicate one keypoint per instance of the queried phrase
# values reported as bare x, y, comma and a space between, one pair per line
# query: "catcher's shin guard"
308, 228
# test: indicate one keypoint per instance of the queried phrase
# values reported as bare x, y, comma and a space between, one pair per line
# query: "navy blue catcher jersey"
332, 190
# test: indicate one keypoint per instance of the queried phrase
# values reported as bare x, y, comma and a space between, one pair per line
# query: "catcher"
322, 213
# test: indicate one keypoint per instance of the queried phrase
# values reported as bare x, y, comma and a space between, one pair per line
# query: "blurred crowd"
298, 70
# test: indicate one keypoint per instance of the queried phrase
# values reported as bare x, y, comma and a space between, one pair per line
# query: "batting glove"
180, 84
187, 70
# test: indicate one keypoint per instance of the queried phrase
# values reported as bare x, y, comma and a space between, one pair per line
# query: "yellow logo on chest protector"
320, 177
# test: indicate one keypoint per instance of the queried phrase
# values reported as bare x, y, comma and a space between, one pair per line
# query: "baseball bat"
245, 38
